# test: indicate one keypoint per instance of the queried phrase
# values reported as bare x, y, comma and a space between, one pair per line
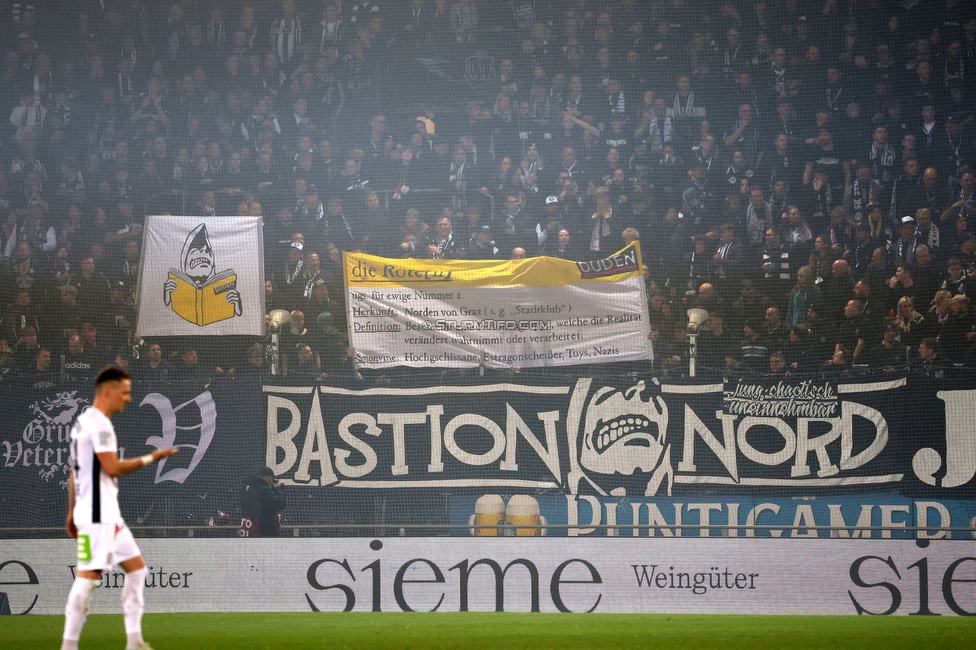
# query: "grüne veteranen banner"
536, 312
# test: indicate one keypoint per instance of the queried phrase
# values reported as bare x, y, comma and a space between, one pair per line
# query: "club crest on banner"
622, 447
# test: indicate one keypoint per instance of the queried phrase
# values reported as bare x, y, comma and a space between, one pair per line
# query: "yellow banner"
364, 270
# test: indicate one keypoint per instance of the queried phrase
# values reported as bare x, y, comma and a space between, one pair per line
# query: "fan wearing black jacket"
262, 501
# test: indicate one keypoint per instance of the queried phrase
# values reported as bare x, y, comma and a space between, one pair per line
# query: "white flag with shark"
202, 276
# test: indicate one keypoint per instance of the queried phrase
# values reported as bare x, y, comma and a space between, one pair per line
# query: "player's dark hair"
110, 374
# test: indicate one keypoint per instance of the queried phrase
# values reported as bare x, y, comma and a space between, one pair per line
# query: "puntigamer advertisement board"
866, 577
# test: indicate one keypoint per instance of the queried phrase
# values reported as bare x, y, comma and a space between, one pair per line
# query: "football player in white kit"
94, 518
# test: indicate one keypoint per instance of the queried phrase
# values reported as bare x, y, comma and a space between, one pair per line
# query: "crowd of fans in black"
800, 169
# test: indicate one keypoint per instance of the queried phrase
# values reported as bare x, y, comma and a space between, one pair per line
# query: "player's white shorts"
102, 545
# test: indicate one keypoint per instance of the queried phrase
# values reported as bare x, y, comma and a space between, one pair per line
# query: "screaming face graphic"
198, 260
623, 446
196, 292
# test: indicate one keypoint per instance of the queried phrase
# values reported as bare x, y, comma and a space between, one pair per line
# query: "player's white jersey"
96, 493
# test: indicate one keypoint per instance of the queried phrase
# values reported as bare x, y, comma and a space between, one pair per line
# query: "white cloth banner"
202, 276
521, 313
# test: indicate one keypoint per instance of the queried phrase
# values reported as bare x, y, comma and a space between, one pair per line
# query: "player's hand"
69, 525
160, 454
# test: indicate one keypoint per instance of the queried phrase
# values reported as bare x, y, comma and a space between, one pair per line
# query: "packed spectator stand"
801, 170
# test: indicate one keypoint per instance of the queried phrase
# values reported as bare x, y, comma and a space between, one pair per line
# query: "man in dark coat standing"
262, 501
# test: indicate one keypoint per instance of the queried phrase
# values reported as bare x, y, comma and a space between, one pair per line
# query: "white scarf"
689, 107
600, 229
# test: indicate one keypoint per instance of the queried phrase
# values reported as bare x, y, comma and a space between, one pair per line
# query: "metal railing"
747, 531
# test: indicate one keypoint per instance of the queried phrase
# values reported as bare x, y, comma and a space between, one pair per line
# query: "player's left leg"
130, 559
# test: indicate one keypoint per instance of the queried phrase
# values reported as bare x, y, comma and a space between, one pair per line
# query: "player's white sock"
76, 611
132, 606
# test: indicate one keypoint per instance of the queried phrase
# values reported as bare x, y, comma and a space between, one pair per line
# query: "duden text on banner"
520, 313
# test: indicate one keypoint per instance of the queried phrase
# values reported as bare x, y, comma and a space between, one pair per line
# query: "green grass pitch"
498, 630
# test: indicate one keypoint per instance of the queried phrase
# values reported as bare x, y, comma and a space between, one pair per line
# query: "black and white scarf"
756, 223
833, 97
775, 169
931, 237
659, 133
444, 244
932, 201
290, 276
779, 79
731, 58
859, 200
330, 34
823, 201
310, 280
955, 147
688, 110
882, 162
286, 36
968, 203
601, 229
905, 250
216, 34
126, 88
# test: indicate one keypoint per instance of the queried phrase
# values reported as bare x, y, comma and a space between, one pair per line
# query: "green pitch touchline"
293, 631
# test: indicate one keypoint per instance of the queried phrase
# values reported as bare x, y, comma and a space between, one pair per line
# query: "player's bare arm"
115, 468
69, 523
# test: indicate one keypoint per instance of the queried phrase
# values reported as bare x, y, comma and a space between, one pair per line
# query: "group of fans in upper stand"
800, 169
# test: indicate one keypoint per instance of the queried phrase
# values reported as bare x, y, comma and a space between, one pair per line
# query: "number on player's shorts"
84, 548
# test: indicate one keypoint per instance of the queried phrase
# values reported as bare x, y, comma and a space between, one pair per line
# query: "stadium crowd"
801, 169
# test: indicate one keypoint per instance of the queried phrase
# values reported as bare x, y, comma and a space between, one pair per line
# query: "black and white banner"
423, 455
640, 438
206, 423
202, 276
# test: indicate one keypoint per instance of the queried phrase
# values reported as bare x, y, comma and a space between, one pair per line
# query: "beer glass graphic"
523, 510
489, 510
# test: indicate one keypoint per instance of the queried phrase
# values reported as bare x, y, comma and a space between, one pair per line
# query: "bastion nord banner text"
588, 451
520, 313
630, 438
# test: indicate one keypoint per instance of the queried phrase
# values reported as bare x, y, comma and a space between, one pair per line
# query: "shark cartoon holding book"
197, 293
